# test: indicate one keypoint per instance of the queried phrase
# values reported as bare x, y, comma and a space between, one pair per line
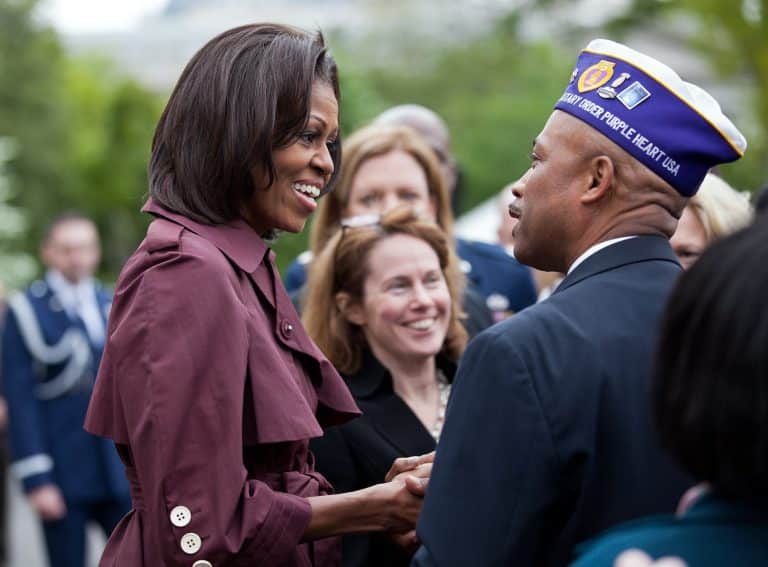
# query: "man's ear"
352, 311
602, 175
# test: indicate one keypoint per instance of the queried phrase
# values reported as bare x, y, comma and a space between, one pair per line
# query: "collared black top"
358, 454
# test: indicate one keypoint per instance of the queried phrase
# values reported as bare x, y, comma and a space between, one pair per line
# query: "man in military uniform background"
51, 347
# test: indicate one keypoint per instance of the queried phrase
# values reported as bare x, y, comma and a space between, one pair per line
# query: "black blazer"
548, 437
358, 454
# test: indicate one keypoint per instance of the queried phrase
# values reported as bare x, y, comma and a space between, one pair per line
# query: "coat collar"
373, 379
236, 239
638, 249
386, 412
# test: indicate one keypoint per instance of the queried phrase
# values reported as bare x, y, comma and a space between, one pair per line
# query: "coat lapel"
386, 412
391, 417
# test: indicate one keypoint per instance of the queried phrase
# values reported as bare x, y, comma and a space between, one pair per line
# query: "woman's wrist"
364, 510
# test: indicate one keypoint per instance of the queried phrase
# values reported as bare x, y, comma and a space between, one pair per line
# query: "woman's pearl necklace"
444, 389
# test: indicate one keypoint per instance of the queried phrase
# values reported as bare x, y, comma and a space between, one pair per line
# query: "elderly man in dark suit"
548, 438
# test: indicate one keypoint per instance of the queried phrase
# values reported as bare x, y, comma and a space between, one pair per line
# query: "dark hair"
244, 94
64, 218
710, 389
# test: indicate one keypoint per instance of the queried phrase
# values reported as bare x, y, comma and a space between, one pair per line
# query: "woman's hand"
400, 503
390, 506
405, 464
407, 542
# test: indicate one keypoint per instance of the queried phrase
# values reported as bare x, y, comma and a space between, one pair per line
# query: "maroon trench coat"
211, 389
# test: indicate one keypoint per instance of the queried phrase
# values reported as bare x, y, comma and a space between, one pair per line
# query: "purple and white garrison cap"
674, 128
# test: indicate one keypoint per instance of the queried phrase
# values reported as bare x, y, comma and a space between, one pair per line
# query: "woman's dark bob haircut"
244, 94
710, 389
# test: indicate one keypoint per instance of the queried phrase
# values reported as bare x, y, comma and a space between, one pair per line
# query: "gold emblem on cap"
595, 76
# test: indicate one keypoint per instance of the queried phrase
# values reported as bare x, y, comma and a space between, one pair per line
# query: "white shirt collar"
594, 249
79, 300
69, 294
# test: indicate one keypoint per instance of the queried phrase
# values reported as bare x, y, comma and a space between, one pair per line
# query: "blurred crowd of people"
521, 391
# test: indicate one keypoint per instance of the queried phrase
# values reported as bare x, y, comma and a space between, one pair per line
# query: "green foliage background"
82, 131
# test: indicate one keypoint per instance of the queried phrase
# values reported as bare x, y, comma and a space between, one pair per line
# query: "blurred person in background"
51, 347
709, 400
548, 438
386, 166
210, 386
505, 284
715, 211
498, 279
382, 304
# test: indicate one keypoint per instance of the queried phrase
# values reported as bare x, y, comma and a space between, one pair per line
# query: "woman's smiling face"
406, 305
302, 170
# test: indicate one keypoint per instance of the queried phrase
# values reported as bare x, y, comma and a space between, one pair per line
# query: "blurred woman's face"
302, 170
406, 305
384, 182
689, 240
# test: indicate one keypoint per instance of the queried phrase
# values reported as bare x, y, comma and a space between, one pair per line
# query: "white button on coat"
191, 543
181, 516
202, 563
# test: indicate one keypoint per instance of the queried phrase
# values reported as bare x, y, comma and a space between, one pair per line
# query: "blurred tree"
81, 135
15, 267
733, 37
110, 125
31, 115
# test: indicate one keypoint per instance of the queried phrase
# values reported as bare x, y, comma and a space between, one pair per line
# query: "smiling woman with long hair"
382, 304
209, 386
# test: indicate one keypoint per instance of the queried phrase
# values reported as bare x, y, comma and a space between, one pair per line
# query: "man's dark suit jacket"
548, 438
359, 454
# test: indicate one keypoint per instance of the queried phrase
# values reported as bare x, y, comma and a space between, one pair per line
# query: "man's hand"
405, 464
48, 502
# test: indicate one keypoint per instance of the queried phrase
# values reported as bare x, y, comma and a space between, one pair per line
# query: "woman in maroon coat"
209, 385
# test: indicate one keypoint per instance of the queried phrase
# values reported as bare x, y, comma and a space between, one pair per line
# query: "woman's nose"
323, 161
421, 296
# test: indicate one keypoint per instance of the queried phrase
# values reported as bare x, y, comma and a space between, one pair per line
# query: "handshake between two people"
409, 476
392, 506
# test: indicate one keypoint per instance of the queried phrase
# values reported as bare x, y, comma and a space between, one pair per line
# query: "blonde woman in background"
715, 211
